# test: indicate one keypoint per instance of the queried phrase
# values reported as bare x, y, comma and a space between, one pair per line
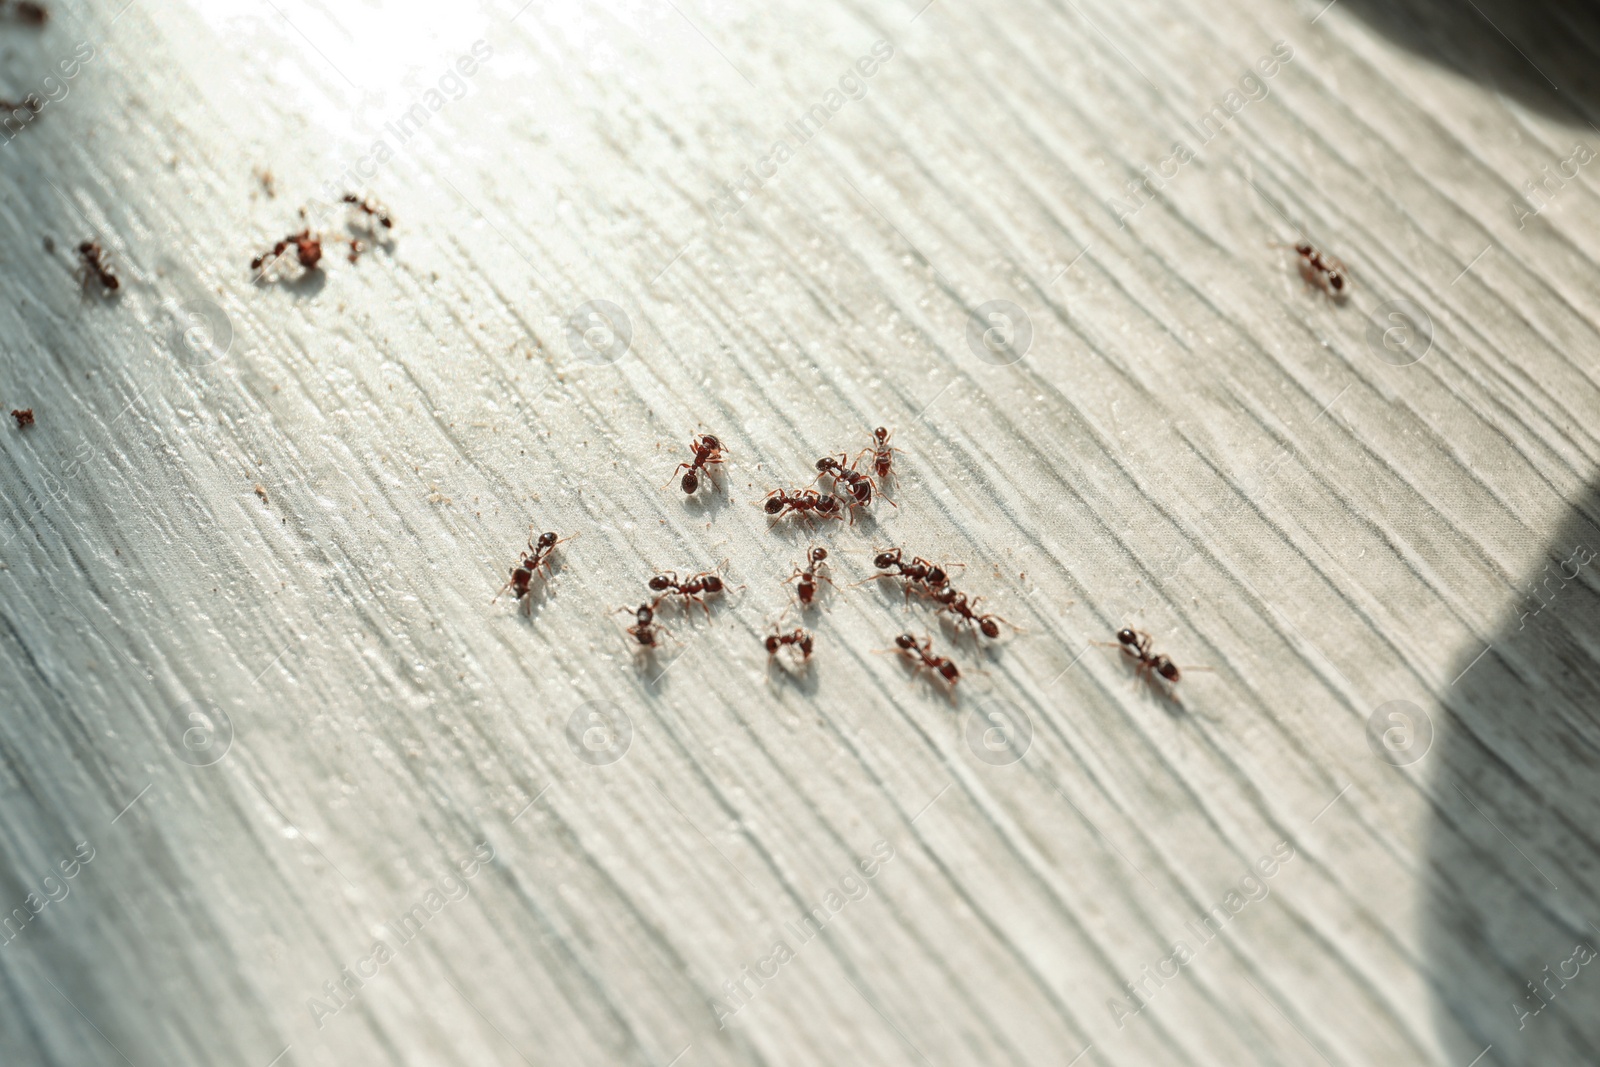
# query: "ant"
960, 607
1321, 269
29, 12
926, 577
24, 417
535, 559
707, 450
94, 263
644, 629
31, 103
923, 657
858, 485
804, 500
706, 582
1136, 645
375, 213
882, 455
799, 639
807, 589
307, 249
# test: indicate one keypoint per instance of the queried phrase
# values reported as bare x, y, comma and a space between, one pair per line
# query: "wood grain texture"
304, 535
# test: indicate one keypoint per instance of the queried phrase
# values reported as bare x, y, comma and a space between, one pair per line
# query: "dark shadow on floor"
1513, 878
1542, 53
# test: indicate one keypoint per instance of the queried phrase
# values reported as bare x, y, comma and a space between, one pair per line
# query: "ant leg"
675, 471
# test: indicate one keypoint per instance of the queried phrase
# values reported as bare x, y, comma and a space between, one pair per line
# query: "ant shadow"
1510, 909
651, 667
802, 677
1522, 48
893, 590
306, 284
927, 678
707, 505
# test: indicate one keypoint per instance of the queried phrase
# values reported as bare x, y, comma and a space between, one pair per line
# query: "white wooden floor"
280, 785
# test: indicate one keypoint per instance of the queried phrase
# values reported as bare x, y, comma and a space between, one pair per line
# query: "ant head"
827, 463
937, 575
709, 441
885, 560
691, 482
881, 434
827, 504
949, 671
1128, 637
906, 641
772, 644
1166, 668
775, 504
805, 642
546, 540
712, 583
659, 583
817, 555
1337, 281
1304, 248
645, 615
990, 628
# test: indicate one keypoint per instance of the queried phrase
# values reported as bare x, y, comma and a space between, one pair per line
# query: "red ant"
798, 639
28, 11
1320, 269
959, 606
807, 589
919, 574
924, 658
644, 629
858, 485
882, 454
706, 582
707, 450
1136, 645
24, 417
535, 559
30, 103
307, 249
805, 500
94, 263
374, 213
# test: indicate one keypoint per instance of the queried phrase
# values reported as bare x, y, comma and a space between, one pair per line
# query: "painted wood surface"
279, 784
